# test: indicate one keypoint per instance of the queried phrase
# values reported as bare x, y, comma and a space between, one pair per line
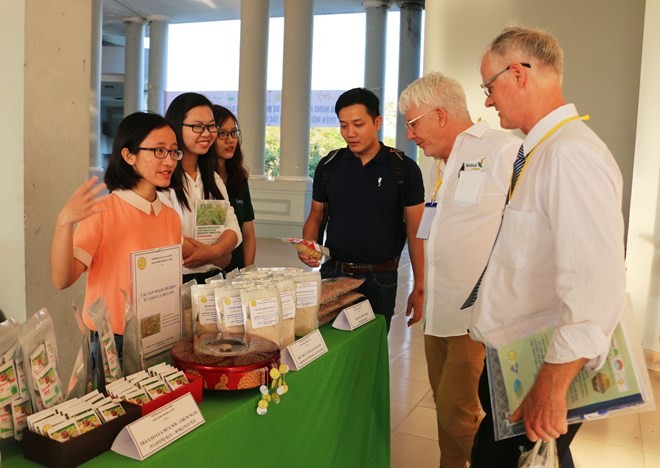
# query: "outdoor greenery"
322, 140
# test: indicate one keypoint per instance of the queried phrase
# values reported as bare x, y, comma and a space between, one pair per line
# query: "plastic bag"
542, 455
308, 300
98, 312
39, 349
186, 310
80, 382
132, 356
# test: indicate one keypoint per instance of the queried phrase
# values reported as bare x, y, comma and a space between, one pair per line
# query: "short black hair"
131, 133
359, 96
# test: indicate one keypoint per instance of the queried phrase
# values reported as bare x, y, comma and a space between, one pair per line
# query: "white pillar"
158, 34
134, 65
296, 86
375, 47
409, 62
252, 75
95, 156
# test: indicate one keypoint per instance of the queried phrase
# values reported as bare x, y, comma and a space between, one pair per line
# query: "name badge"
427, 219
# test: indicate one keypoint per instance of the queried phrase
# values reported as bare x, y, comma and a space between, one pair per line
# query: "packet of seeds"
98, 312
80, 382
133, 358
39, 349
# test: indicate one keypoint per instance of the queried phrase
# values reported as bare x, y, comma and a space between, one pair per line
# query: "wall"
602, 43
643, 256
46, 121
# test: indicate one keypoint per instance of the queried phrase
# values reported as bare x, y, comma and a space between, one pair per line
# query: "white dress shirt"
195, 190
558, 260
467, 216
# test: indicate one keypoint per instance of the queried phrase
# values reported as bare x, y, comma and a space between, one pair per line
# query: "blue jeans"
379, 288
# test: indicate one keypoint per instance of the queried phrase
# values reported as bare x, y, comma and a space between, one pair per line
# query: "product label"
288, 305
232, 311
263, 312
207, 312
307, 294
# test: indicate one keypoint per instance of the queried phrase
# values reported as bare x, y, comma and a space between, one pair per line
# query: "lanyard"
438, 182
545, 137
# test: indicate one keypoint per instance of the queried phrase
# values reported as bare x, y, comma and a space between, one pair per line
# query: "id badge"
427, 219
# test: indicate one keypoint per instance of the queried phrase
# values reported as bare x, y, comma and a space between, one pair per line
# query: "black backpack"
397, 165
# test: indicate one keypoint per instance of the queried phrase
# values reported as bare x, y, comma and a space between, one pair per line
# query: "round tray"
227, 361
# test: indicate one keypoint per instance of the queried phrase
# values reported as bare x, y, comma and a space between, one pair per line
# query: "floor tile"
590, 454
409, 369
615, 431
398, 412
420, 422
651, 460
428, 401
407, 391
412, 451
651, 438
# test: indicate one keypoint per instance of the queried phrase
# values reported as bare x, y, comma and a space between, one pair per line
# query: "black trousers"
488, 453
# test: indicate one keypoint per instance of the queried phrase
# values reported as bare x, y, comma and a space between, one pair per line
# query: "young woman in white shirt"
191, 117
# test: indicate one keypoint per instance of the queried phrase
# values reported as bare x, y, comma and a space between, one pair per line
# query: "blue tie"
517, 167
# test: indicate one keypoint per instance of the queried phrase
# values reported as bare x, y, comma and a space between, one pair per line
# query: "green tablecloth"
335, 414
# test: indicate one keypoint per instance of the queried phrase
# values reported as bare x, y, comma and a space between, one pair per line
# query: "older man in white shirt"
470, 180
558, 260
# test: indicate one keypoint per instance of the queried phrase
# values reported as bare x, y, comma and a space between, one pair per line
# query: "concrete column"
95, 156
409, 62
158, 33
252, 84
296, 86
375, 46
134, 65
44, 125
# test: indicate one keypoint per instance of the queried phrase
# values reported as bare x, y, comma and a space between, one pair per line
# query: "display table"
335, 414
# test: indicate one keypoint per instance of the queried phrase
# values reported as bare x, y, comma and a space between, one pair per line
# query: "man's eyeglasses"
199, 128
161, 153
410, 124
486, 84
224, 134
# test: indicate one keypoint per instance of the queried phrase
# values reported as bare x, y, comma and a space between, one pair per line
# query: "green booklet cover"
512, 371
210, 220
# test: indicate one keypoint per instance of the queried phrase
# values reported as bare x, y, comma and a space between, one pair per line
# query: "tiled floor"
631, 441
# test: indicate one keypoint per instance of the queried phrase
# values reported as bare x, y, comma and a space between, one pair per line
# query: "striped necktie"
518, 164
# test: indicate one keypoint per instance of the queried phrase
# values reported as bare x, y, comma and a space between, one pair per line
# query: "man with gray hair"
558, 261
470, 179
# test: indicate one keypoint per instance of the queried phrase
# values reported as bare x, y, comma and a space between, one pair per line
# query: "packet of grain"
203, 309
229, 309
262, 310
287, 289
308, 294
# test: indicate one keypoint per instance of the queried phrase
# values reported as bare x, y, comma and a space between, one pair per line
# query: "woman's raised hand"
84, 202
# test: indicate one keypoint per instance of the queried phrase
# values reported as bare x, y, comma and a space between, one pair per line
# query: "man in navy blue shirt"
372, 189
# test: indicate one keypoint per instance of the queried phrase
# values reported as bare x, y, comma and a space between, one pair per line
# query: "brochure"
512, 371
210, 220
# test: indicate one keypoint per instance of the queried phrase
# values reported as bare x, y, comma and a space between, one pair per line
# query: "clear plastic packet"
287, 289
203, 309
307, 247
229, 309
39, 349
308, 296
542, 455
219, 276
331, 309
80, 382
262, 310
332, 288
132, 355
98, 312
12, 377
186, 310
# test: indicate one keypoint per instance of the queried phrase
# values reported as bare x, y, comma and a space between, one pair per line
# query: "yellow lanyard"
438, 182
545, 137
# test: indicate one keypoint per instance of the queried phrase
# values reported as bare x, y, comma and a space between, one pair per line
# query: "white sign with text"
159, 428
354, 316
304, 350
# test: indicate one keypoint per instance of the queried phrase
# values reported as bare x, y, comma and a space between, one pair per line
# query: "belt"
365, 268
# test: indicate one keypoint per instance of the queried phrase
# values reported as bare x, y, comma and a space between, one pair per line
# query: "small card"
354, 316
427, 220
305, 350
159, 428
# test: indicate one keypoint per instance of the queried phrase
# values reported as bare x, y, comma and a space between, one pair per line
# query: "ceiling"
191, 11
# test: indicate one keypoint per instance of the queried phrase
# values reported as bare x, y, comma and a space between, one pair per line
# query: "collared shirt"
365, 204
469, 208
194, 188
104, 241
558, 260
